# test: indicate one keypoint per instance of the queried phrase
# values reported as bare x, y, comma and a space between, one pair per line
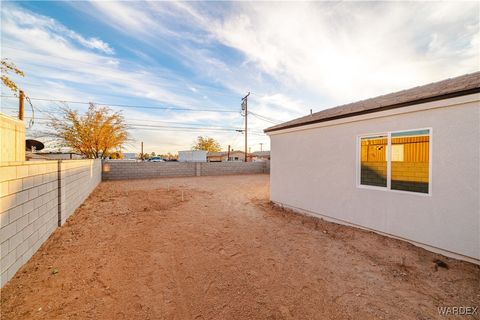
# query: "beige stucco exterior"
12, 139
314, 170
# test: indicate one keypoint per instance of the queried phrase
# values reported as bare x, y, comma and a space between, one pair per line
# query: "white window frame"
389, 162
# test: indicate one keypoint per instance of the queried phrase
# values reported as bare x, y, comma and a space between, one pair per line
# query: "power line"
126, 105
189, 128
146, 126
272, 122
145, 120
186, 126
264, 118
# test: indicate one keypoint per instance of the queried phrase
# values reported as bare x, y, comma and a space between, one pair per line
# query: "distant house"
129, 155
405, 164
260, 155
224, 156
219, 156
192, 156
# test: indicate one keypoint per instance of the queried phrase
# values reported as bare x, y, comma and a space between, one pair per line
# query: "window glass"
373, 159
410, 160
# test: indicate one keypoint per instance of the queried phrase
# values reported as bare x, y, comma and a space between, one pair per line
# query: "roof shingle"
449, 88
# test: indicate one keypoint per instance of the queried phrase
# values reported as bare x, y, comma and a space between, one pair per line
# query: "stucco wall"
12, 139
314, 171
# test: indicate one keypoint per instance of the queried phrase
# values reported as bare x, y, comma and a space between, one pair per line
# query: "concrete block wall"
35, 196
113, 170
410, 171
28, 211
78, 178
410, 176
225, 168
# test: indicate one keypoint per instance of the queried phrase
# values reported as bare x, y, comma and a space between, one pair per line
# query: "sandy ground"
135, 250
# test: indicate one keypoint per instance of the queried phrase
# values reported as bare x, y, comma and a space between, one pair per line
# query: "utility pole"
21, 105
245, 107
228, 153
142, 152
261, 146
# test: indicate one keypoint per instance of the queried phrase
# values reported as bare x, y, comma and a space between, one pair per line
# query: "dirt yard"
135, 250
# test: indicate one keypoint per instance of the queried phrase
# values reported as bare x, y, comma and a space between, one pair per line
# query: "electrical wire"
266, 119
32, 118
174, 128
188, 125
126, 105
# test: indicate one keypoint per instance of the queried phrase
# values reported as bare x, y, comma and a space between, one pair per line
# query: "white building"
192, 156
405, 164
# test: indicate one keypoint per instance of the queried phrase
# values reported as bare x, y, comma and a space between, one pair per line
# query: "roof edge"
384, 108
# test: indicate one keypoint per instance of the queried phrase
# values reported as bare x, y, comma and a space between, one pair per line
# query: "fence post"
59, 187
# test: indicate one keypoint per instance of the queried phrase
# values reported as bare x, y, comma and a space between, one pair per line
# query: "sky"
177, 70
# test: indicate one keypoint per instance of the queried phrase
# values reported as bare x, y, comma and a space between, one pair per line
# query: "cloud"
48, 55
348, 51
319, 54
92, 43
293, 57
29, 20
56, 67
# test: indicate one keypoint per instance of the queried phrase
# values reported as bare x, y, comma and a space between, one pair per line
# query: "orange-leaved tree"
6, 67
98, 133
207, 144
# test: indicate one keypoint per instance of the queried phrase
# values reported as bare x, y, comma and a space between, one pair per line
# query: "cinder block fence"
113, 170
35, 198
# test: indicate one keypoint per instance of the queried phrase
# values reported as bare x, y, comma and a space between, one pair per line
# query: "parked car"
156, 159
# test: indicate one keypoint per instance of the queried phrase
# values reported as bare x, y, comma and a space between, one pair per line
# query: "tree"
145, 156
97, 133
169, 156
116, 155
207, 144
6, 67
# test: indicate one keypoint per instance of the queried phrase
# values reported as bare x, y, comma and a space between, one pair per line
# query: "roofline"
384, 108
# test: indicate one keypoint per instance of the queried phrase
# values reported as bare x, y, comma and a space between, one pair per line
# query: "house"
405, 164
192, 156
219, 156
260, 155
129, 156
223, 156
